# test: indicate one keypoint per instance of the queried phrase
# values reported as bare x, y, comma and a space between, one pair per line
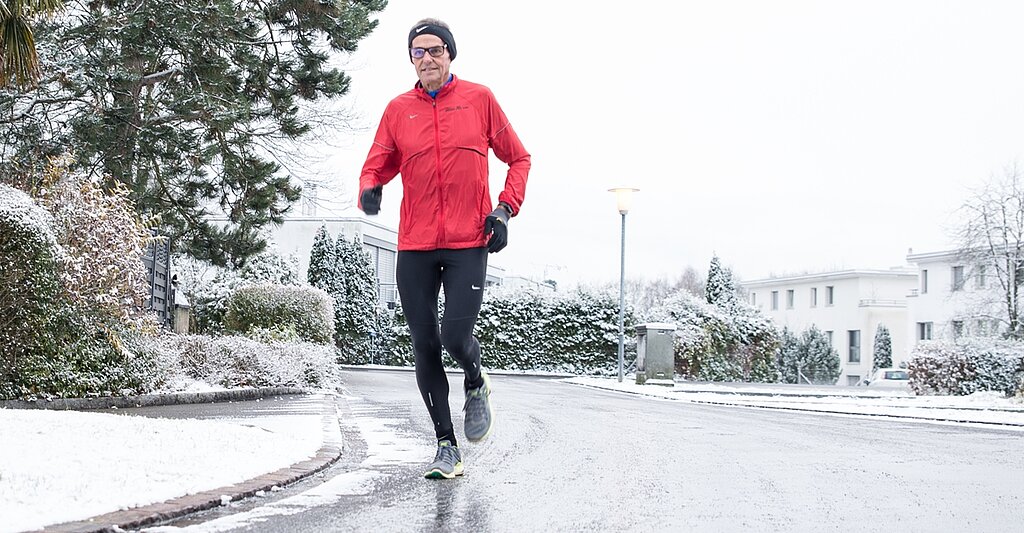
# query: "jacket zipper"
442, 237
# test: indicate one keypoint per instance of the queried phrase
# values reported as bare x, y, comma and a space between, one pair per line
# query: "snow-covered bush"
102, 242
29, 279
307, 310
208, 286
573, 332
719, 344
235, 361
967, 366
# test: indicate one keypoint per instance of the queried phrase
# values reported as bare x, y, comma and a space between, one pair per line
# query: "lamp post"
623, 198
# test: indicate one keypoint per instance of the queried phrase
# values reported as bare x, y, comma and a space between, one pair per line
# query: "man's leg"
463, 276
419, 281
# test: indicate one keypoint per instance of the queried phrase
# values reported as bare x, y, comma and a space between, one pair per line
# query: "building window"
775, 300
958, 278
924, 331
852, 380
828, 335
830, 295
958, 329
789, 298
854, 335
924, 281
814, 297
979, 277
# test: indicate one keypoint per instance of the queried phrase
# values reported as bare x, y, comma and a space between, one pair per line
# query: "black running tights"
421, 274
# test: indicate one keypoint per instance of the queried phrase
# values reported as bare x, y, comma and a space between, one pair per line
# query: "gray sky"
785, 136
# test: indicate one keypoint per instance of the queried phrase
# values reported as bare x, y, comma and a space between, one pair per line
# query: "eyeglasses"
434, 51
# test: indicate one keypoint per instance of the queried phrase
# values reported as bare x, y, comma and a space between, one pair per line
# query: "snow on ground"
981, 407
58, 466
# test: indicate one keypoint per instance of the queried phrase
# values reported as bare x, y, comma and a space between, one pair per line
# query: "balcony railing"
874, 302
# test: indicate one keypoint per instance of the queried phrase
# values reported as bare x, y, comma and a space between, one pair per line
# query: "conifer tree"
789, 357
192, 106
819, 361
882, 348
322, 259
356, 302
720, 290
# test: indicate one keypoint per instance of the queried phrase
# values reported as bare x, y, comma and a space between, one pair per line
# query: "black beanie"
432, 29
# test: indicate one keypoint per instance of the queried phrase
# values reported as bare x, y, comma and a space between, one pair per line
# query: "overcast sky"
785, 136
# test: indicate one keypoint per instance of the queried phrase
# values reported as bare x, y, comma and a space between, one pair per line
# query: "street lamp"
623, 198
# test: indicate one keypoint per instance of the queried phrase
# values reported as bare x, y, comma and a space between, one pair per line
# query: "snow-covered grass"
59, 466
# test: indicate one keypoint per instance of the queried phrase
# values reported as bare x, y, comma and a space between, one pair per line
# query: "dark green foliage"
720, 289
789, 357
357, 306
307, 310
190, 105
818, 361
882, 348
518, 330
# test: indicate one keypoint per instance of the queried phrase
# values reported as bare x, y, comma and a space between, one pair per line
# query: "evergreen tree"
189, 105
819, 361
357, 302
322, 259
720, 290
789, 357
882, 349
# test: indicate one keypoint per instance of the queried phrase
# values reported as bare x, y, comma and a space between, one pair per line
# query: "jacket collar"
445, 89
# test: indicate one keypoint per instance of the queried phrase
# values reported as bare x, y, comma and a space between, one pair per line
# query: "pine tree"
789, 357
322, 259
819, 361
720, 290
357, 302
882, 349
189, 105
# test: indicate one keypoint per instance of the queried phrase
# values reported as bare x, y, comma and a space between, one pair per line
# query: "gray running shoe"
478, 411
447, 463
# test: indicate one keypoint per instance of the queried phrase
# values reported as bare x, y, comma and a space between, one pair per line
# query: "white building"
953, 298
848, 306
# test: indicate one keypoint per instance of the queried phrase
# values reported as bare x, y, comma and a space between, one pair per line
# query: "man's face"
432, 71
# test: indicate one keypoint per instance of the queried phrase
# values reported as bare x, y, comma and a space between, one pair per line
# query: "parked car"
890, 378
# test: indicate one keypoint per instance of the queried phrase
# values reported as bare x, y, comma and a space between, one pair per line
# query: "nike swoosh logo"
421, 28
474, 287
413, 116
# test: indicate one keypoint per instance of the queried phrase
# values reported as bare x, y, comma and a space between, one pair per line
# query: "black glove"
370, 200
496, 225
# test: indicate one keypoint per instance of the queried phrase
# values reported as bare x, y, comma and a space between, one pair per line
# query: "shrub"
967, 366
307, 310
235, 361
715, 343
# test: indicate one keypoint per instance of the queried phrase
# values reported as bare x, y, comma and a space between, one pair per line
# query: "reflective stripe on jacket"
440, 147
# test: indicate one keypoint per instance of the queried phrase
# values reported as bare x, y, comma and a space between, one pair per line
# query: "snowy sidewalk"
988, 408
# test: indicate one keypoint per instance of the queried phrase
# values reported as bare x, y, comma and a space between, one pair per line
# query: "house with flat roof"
848, 306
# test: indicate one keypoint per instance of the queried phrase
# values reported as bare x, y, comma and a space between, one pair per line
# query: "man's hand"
496, 225
369, 200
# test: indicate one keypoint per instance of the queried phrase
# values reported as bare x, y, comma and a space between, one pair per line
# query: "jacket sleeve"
383, 160
510, 150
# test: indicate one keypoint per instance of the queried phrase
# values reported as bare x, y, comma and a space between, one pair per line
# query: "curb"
147, 400
330, 451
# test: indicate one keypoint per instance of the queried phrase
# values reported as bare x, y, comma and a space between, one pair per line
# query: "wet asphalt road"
568, 458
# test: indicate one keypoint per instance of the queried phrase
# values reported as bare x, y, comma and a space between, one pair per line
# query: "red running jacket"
440, 146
